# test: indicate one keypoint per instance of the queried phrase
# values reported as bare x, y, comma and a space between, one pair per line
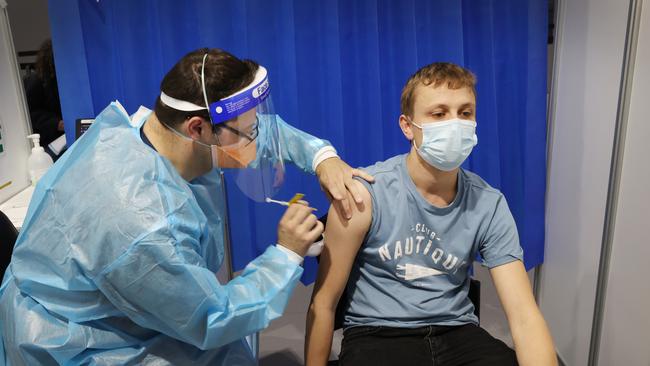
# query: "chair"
8, 236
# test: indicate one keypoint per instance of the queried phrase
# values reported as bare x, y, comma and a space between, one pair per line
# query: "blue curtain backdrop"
336, 71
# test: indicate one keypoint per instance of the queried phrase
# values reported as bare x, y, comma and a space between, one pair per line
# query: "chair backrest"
8, 236
474, 295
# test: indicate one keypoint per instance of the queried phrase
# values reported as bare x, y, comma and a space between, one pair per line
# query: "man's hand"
299, 228
335, 177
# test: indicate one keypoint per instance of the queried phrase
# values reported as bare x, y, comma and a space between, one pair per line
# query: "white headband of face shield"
182, 105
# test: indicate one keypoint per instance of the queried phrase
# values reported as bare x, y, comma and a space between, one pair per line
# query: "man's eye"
468, 113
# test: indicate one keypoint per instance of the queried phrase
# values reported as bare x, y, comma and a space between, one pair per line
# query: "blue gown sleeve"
299, 147
3, 358
162, 284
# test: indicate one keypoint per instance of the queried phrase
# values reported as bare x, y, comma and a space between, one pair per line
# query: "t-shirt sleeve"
376, 212
501, 241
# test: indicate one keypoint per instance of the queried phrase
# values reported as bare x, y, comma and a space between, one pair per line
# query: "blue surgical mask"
446, 145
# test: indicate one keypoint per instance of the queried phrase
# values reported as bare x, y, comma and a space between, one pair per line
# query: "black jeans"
430, 345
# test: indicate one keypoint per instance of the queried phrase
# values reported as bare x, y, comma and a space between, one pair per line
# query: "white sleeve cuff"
325, 152
291, 255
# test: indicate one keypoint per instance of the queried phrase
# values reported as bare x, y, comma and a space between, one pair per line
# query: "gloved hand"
299, 228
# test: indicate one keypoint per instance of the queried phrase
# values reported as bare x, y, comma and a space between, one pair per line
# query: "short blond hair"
436, 74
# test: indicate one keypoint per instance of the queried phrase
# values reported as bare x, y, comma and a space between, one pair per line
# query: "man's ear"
195, 126
406, 127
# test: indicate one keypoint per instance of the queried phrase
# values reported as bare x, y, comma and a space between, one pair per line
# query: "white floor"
282, 343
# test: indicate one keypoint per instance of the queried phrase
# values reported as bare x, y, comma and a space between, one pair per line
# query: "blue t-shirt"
412, 268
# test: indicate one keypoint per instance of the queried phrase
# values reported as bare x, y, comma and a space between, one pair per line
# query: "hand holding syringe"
316, 247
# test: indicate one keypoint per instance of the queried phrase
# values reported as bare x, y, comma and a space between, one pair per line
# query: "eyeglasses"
248, 136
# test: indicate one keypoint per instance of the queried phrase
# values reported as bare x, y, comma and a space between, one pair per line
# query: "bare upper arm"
514, 290
343, 238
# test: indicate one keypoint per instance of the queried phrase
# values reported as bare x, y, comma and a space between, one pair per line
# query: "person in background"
42, 95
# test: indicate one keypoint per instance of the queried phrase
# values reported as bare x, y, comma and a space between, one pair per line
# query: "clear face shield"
247, 136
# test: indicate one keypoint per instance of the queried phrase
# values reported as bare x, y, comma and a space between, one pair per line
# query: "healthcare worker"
116, 261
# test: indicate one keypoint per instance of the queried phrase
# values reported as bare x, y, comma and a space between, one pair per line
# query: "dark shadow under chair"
8, 236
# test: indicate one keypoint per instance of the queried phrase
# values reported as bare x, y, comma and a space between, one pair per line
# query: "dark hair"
225, 74
436, 74
45, 62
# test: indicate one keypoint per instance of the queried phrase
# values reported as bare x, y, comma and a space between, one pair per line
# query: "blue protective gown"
116, 261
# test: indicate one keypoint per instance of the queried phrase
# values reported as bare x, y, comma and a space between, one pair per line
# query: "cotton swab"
297, 197
283, 203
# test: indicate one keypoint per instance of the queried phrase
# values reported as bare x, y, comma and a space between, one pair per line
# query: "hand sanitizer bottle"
39, 161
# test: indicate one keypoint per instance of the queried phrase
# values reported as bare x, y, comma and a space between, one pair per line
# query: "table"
16, 207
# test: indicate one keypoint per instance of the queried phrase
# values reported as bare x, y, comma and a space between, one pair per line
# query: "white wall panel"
591, 38
626, 320
13, 117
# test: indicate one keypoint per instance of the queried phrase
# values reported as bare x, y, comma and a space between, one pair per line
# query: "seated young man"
406, 252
